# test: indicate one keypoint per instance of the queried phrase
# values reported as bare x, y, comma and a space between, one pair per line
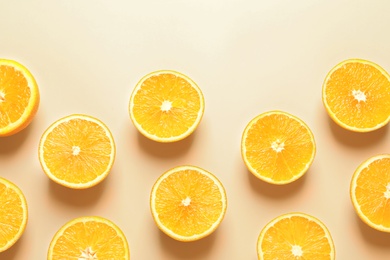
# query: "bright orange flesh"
188, 203
166, 106
277, 147
295, 236
370, 192
19, 97
356, 95
77, 151
89, 238
13, 214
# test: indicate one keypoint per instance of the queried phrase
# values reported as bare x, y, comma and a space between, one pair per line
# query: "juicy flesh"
295, 237
89, 240
77, 151
373, 192
188, 203
11, 214
166, 105
14, 95
359, 95
278, 147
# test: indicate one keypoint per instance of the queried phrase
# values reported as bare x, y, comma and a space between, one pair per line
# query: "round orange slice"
188, 203
295, 236
77, 151
370, 192
19, 97
166, 106
356, 95
89, 238
277, 147
13, 214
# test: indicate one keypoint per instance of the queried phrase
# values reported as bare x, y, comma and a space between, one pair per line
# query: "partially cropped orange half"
87, 238
166, 106
77, 151
370, 192
356, 95
297, 236
19, 97
277, 147
188, 203
13, 214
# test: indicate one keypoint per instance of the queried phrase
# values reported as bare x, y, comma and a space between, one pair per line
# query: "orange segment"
370, 192
295, 236
270, 145
166, 106
77, 151
188, 203
19, 97
89, 238
356, 95
13, 214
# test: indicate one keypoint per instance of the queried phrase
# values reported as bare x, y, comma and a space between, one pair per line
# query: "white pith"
186, 202
359, 95
88, 254
296, 251
277, 146
76, 150
166, 105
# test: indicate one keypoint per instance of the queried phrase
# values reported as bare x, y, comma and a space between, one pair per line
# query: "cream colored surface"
248, 57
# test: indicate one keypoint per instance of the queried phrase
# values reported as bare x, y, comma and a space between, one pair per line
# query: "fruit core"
387, 192
186, 202
359, 95
75, 150
296, 250
2, 97
277, 146
88, 254
166, 105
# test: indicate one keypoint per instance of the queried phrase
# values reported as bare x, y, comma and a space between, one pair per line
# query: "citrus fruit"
277, 147
356, 95
19, 97
77, 151
370, 192
13, 214
166, 106
89, 238
188, 203
295, 236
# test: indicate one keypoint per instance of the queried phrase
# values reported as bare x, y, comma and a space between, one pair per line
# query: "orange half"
166, 106
77, 151
188, 203
19, 97
370, 192
297, 236
89, 238
277, 147
356, 95
13, 214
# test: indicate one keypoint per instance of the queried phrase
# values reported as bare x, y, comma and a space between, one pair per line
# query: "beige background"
248, 57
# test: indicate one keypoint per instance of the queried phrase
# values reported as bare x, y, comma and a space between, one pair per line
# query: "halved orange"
77, 151
356, 95
19, 97
13, 214
295, 236
370, 192
188, 203
89, 237
277, 147
166, 106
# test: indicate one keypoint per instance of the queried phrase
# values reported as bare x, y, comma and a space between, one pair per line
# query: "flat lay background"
248, 57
